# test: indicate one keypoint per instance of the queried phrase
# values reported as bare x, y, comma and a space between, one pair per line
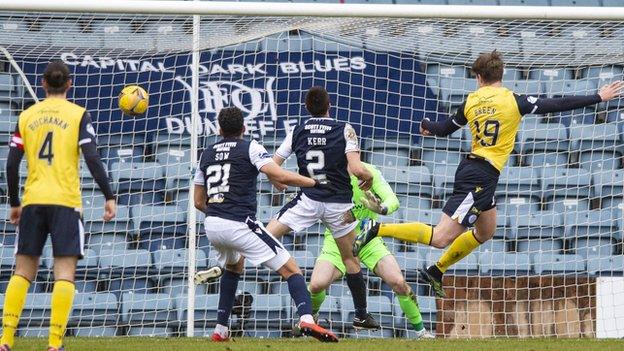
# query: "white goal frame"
201, 8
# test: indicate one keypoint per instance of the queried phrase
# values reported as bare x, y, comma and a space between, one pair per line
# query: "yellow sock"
14, 299
411, 232
459, 248
62, 300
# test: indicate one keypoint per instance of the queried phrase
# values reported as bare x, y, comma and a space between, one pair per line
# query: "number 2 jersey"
50, 134
321, 145
229, 170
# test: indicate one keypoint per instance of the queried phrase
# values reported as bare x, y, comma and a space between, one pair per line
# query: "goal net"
552, 269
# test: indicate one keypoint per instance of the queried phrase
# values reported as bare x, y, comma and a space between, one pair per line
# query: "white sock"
307, 318
222, 330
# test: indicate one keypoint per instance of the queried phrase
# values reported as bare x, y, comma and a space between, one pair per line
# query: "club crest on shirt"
216, 198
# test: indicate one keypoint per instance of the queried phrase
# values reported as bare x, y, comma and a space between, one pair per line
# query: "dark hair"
489, 66
317, 101
231, 122
56, 76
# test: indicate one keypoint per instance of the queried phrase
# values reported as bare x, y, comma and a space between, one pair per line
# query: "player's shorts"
249, 239
64, 224
370, 254
303, 212
473, 191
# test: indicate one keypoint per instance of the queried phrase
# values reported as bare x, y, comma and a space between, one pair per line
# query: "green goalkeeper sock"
317, 301
412, 312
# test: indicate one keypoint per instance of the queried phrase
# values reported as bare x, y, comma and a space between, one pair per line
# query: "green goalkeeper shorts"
370, 255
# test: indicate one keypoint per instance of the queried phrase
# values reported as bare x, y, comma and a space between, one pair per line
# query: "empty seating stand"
94, 314
148, 314
161, 227
139, 183
592, 233
557, 264
538, 232
127, 270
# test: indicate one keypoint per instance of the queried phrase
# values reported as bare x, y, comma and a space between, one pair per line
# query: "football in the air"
133, 100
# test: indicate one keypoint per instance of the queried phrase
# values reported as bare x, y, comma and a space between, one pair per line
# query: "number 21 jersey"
321, 145
229, 170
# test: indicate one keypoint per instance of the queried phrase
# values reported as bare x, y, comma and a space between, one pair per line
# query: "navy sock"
357, 285
227, 293
300, 294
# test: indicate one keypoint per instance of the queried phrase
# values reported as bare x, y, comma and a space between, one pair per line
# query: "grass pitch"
247, 344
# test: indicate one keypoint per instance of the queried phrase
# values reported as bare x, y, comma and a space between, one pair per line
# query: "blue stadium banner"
380, 93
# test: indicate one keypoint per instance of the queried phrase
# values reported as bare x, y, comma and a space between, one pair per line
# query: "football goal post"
553, 269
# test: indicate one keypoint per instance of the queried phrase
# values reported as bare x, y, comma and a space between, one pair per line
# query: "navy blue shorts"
473, 191
64, 224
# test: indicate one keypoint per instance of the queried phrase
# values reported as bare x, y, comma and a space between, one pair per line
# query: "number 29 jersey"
49, 133
321, 145
229, 170
493, 116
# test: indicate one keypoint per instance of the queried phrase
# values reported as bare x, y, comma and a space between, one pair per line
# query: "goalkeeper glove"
372, 202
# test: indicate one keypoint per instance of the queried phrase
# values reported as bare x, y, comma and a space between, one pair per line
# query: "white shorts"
303, 212
234, 239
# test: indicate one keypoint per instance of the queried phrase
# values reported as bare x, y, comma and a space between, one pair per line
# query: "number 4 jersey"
229, 170
50, 133
321, 145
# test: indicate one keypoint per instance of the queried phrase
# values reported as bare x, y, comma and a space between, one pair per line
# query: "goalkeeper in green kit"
380, 199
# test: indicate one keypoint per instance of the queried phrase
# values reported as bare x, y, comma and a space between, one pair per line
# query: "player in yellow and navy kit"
493, 114
51, 135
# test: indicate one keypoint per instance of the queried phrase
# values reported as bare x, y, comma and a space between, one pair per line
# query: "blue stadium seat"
379, 306
608, 183
443, 165
8, 115
601, 75
410, 263
453, 91
469, 265
266, 213
565, 183
494, 246
407, 201
550, 263
330, 312
305, 259
599, 136
270, 311
525, 87
253, 287
107, 235
575, 3
495, 264
7, 230
600, 160
513, 74
16, 31
127, 270
538, 45
558, 88
172, 265
110, 31
139, 183
519, 182
612, 3
93, 200
413, 180
87, 271
178, 179
538, 232
551, 137
94, 314
389, 152
148, 314
425, 216
516, 206
7, 89
35, 317
606, 265
549, 159
435, 72
424, 2
524, 2
161, 227
7, 261
206, 307
596, 223
564, 205
546, 74
614, 116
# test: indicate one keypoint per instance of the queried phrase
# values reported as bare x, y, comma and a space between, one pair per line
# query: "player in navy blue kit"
225, 190
327, 149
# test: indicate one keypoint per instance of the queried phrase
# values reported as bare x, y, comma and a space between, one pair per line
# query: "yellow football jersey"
49, 131
493, 117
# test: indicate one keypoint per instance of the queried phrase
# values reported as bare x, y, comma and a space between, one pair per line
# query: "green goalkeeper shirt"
380, 188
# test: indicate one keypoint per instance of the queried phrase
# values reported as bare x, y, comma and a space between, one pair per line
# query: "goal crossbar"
320, 10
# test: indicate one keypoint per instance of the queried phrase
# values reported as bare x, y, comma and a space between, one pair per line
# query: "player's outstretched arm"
529, 104
200, 198
16, 153
381, 198
276, 174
